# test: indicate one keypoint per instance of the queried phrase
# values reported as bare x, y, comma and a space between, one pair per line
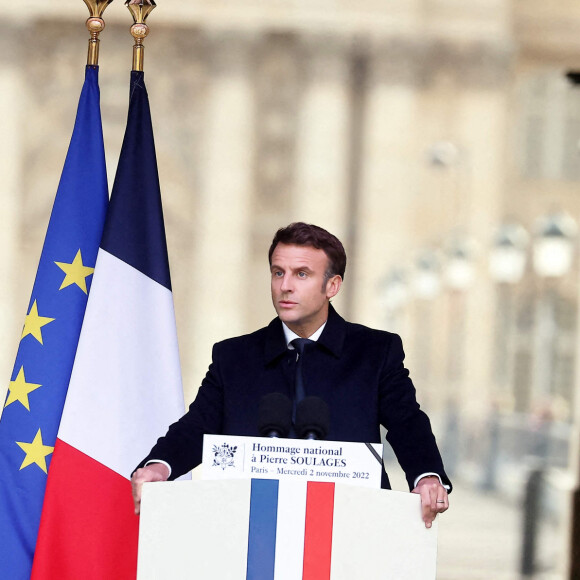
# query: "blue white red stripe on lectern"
290, 530
318, 530
262, 530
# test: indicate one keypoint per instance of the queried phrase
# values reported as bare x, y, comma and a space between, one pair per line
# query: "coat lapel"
276, 353
334, 334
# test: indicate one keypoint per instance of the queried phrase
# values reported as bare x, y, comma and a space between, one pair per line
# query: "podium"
287, 528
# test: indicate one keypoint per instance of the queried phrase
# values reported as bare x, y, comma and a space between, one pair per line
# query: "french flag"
125, 386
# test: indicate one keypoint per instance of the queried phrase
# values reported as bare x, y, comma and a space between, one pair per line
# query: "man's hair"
301, 234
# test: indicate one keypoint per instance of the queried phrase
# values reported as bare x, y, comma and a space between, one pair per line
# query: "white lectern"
282, 529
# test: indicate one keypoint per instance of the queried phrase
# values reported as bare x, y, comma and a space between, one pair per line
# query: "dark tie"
299, 392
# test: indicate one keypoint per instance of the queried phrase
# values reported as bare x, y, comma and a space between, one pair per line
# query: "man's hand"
151, 472
434, 498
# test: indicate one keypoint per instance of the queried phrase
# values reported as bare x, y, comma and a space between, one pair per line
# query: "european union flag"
39, 382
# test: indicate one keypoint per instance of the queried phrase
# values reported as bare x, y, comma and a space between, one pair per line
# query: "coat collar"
334, 333
331, 339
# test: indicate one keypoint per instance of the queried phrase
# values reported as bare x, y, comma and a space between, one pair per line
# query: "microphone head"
312, 418
274, 415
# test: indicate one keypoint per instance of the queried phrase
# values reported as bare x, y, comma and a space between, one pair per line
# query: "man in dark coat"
356, 370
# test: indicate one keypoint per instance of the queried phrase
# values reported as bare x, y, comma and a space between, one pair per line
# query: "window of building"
549, 128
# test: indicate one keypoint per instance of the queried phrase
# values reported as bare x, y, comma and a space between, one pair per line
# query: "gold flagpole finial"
95, 25
140, 9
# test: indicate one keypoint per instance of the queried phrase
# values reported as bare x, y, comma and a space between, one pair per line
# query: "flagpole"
95, 25
140, 9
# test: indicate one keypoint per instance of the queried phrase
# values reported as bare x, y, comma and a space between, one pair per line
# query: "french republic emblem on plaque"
223, 455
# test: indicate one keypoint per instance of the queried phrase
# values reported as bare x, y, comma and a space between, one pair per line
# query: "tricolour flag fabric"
38, 386
126, 383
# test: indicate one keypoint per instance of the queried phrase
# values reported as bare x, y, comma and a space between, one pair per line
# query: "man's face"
299, 292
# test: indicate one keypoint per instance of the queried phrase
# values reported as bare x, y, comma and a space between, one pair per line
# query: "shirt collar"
290, 336
332, 339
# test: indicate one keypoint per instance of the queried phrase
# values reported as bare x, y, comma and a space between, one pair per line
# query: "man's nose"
286, 285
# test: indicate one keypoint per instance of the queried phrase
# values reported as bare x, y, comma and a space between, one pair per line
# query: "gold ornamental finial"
95, 25
140, 9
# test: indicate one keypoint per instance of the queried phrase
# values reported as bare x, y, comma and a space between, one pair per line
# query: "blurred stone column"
12, 111
483, 81
388, 173
177, 90
323, 135
325, 142
220, 277
278, 83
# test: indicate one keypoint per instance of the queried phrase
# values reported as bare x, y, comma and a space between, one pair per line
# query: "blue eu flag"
39, 382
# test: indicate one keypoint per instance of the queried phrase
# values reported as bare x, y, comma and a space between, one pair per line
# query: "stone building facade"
411, 129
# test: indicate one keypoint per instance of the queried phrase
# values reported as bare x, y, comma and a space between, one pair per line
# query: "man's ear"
333, 286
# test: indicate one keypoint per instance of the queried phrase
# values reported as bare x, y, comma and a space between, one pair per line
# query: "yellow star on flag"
36, 452
19, 390
34, 323
76, 273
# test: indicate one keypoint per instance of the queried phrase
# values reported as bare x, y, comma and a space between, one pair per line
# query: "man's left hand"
434, 499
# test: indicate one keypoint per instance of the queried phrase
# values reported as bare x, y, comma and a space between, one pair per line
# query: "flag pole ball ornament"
139, 9
95, 25
139, 31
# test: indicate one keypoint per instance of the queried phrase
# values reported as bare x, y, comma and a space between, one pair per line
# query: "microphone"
274, 415
312, 418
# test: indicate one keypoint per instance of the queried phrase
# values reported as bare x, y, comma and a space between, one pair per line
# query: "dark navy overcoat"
358, 371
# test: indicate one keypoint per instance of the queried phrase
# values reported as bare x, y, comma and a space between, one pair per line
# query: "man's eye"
277, 274
302, 274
